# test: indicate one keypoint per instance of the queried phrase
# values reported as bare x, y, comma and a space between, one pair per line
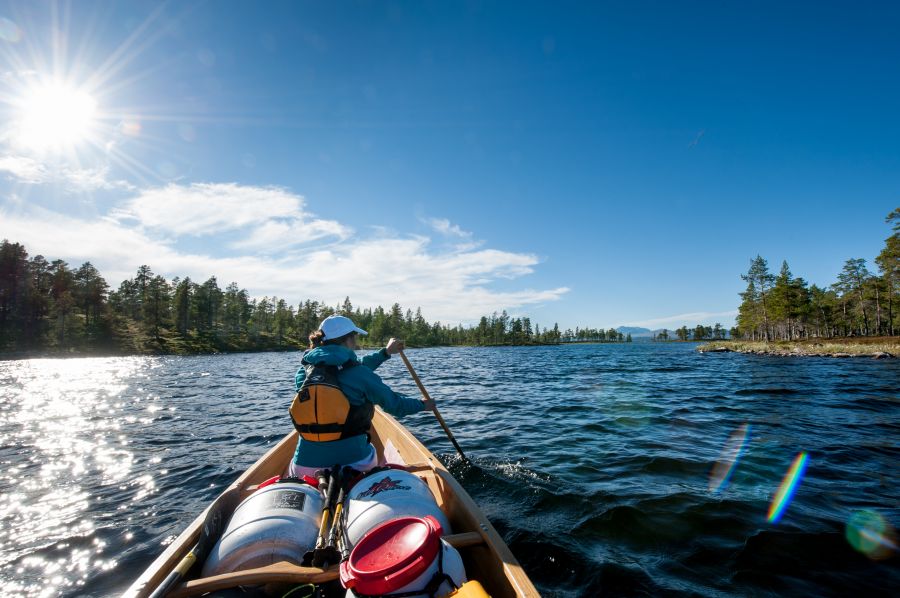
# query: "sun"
54, 117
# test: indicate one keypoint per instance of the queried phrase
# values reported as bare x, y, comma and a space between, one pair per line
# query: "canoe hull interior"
487, 559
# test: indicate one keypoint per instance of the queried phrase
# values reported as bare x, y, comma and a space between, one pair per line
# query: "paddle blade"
215, 521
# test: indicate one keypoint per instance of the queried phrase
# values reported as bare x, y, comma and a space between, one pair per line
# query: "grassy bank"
879, 347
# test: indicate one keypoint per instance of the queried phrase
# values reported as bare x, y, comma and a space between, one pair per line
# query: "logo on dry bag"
288, 500
383, 486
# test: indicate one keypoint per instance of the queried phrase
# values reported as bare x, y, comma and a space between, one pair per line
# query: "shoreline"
872, 348
78, 354
89, 353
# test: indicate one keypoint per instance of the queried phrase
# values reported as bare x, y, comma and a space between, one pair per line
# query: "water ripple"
593, 461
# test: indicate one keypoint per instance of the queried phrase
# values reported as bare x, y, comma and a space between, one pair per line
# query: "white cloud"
688, 319
464, 240
30, 171
92, 179
274, 235
451, 286
274, 217
207, 208
445, 227
26, 170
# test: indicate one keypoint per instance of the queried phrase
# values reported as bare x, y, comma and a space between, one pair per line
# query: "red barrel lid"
392, 555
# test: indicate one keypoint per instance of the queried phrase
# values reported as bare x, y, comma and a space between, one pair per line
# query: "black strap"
320, 428
292, 480
347, 364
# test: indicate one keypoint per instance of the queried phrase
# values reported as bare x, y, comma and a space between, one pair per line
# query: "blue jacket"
359, 384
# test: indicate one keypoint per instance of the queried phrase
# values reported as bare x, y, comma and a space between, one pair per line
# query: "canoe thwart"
464, 539
283, 572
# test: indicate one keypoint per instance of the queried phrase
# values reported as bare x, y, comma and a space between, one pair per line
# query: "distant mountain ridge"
634, 330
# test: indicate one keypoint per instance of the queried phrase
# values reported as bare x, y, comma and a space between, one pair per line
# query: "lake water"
597, 463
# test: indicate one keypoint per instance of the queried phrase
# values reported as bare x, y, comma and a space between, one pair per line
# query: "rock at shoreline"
780, 351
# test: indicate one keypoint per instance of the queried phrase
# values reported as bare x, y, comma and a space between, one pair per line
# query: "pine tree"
37, 303
90, 293
181, 305
13, 293
759, 283
888, 261
851, 282
284, 315
346, 308
156, 305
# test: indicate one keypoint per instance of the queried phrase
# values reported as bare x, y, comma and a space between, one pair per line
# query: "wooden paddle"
434, 409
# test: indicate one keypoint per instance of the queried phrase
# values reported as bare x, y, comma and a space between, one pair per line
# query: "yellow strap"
470, 589
186, 563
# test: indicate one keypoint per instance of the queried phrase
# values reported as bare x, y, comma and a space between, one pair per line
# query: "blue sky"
606, 165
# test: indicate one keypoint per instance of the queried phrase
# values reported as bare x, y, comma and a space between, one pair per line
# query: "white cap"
338, 326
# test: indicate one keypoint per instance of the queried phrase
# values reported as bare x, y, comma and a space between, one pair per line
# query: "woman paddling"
336, 398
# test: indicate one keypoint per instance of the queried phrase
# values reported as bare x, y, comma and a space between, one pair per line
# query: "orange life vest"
320, 409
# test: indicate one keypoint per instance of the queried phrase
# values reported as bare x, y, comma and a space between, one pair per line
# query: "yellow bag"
470, 589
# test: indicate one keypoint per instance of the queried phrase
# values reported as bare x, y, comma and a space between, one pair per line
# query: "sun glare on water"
55, 117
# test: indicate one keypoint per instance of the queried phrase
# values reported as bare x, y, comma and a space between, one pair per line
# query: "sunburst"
52, 116
61, 98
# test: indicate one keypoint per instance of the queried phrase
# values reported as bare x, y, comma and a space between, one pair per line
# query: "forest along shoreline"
856, 316
48, 308
871, 347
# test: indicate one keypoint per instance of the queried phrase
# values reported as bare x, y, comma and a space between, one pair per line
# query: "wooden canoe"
486, 556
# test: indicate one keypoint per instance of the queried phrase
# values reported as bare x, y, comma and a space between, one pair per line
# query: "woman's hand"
394, 346
429, 404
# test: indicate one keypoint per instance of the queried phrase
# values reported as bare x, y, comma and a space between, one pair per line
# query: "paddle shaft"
434, 409
176, 574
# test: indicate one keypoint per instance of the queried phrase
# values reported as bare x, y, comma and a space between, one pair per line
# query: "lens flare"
9, 31
788, 487
869, 533
131, 128
720, 474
